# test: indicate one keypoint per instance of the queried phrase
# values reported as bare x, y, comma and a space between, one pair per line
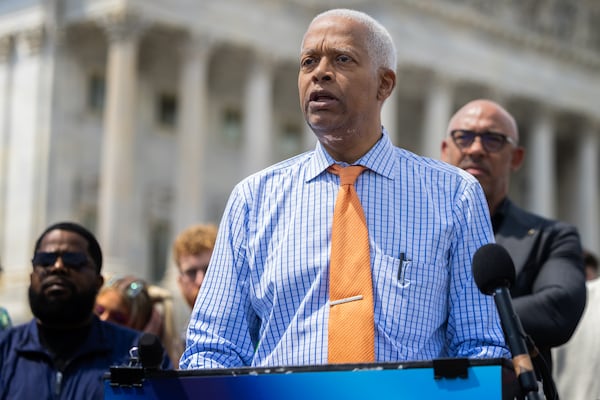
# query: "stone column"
193, 131
116, 197
258, 114
587, 198
24, 151
540, 163
438, 110
5, 94
56, 171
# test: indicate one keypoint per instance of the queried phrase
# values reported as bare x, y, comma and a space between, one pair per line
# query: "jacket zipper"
58, 383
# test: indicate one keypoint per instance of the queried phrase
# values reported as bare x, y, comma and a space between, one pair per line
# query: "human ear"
444, 151
387, 82
518, 155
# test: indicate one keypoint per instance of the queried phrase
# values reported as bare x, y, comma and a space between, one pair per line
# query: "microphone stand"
513, 332
541, 366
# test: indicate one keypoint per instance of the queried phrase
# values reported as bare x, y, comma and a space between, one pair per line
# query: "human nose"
59, 264
476, 147
323, 71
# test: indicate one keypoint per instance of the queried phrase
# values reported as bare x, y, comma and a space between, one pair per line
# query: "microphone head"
150, 351
493, 268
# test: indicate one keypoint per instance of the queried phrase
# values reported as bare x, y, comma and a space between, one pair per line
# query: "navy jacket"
27, 370
549, 293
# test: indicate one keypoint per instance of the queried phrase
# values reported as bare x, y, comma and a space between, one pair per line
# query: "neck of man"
63, 340
349, 149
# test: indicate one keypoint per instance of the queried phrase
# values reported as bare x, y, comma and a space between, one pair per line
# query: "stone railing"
572, 23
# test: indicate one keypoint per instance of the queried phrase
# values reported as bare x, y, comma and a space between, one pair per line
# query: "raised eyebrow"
348, 51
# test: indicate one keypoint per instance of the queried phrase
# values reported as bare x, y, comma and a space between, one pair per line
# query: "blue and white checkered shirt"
265, 302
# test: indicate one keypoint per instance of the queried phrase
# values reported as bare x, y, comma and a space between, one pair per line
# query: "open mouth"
322, 96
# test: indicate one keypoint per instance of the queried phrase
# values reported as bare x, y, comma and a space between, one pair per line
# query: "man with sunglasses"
549, 293
65, 350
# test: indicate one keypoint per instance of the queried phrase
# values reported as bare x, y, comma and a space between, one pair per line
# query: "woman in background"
132, 302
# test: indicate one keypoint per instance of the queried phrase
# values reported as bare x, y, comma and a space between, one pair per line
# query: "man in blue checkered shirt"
265, 298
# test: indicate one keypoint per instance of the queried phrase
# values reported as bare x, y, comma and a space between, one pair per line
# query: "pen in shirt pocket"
404, 264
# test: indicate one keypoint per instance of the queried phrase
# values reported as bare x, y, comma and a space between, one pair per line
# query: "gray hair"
382, 49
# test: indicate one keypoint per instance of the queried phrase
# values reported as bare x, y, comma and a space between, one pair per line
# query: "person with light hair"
192, 250
277, 291
132, 302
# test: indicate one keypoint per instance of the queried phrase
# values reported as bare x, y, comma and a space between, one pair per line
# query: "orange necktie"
351, 323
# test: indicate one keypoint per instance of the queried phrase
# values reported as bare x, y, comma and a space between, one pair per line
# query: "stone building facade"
137, 117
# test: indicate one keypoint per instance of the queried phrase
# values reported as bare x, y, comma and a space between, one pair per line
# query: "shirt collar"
379, 159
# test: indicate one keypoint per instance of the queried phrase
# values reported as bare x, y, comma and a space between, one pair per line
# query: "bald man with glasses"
549, 293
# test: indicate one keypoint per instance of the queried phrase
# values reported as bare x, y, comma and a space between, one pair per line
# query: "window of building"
159, 247
166, 110
96, 92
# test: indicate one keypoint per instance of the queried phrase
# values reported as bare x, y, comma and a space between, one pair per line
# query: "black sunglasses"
491, 141
71, 259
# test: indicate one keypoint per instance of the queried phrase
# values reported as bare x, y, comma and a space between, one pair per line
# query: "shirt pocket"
411, 296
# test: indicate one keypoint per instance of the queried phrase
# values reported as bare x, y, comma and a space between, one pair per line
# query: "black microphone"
150, 351
494, 273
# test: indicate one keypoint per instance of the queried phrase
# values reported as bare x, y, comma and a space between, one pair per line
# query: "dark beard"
72, 311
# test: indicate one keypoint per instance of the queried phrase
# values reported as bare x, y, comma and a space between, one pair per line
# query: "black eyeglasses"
491, 141
70, 259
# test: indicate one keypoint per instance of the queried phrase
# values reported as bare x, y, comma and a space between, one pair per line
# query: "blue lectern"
447, 379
